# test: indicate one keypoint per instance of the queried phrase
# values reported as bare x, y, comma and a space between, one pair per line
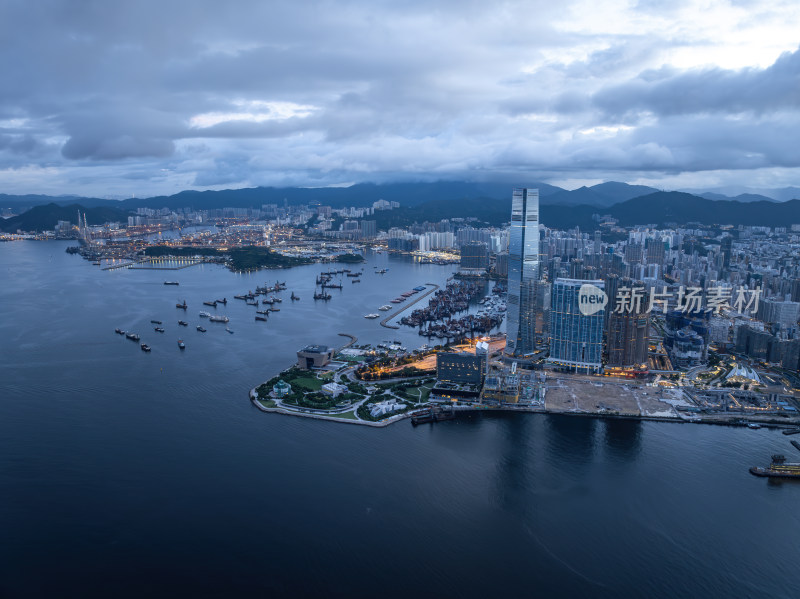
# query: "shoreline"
528, 410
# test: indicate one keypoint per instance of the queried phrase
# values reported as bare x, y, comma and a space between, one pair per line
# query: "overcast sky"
115, 99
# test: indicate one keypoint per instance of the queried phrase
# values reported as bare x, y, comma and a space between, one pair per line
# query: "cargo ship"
779, 468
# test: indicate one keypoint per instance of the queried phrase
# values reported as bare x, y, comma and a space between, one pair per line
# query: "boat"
267, 301
181, 306
201, 329
273, 309
385, 307
132, 336
183, 323
230, 331
223, 301
171, 283
205, 315
264, 312
356, 281
181, 344
119, 331
779, 468
322, 296
294, 297
791, 431
242, 297
219, 319
156, 321
261, 318
382, 271
753, 425
372, 315
214, 304
796, 445
145, 347
159, 329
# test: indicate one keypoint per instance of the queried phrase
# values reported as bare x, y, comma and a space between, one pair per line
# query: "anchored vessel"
779, 468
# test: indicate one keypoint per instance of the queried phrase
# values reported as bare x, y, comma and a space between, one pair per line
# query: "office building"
576, 339
523, 271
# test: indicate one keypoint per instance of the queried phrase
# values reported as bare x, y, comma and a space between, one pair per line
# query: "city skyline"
116, 100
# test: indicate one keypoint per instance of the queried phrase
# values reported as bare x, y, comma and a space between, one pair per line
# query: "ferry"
145, 347
201, 329
219, 319
181, 344
779, 468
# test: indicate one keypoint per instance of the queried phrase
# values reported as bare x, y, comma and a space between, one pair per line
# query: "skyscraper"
628, 330
576, 338
523, 271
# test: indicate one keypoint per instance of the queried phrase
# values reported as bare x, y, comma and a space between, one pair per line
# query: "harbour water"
132, 474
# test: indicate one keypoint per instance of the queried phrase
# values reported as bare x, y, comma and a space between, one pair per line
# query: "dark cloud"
200, 93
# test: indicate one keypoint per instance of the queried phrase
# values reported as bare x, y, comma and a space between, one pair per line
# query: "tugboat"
145, 347
779, 468
183, 323
181, 344
201, 329
159, 329
132, 336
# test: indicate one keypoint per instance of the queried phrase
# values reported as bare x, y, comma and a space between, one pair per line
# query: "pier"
352, 341
407, 306
150, 264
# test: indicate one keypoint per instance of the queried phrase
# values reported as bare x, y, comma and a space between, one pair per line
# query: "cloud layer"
112, 99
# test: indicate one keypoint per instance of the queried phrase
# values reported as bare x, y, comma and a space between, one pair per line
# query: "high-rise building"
474, 255
576, 338
628, 330
523, 271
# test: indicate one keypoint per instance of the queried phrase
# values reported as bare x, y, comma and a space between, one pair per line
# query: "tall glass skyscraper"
576, 339
523, 272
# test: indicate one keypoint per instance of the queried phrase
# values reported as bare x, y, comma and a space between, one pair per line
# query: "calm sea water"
132, 474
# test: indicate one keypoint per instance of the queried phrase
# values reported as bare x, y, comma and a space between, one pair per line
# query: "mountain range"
488, 203
603, 195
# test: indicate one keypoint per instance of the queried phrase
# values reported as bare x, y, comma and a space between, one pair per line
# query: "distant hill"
45, 218
657, 208
602, 195
742, 197
359, 195
674, 206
